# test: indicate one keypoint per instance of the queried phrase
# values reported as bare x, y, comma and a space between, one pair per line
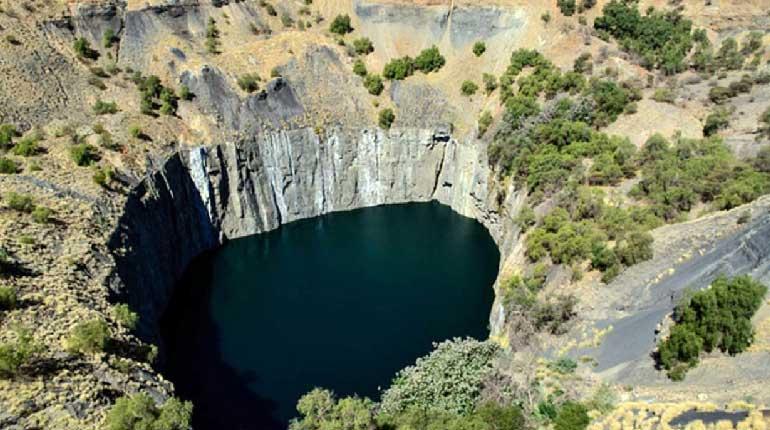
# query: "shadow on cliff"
220, 394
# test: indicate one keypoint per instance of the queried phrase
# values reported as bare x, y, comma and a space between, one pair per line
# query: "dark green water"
342, 302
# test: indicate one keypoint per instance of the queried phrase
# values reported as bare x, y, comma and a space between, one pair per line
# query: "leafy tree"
567, 7
449, 379
429, 60
341, 25
479, 48
359, 68
583, 63
399, 68
490, 83
320, 410
89, 337
636, 248
125, 316
373, 84
468, 88
15, 355
386, 118
571, 416
363, 46
139, 412
82, 48
729, 56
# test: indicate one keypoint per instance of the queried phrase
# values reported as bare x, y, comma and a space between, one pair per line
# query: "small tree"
89, 337
373, 84
468, 88
139, 412
341, 25
14, 355
387, 117
363, 46
479, 48
125, 316
490, 83
359, 68
429, 60
567, 7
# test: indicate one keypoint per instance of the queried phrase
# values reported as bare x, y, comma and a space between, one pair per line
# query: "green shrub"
485, 120
720, 95
26, 147
41, 215
429, 60
109, 38
82, 48
139, 412
319, 409
104, 108
8, 298
7, 133
386, 118
664, 95
135, 131
125, 316
490, 83
363, 46
479, 48
8, 166
571, 416
83, 154
19, 202
212, 37
729, 56
359, 68
715, 121
715, 318
399, 68
15, 355
249, 82
89, 337
287, 20
373, 84
185, 93
764, 124
468, 88
449, 379
567, 7
341, 25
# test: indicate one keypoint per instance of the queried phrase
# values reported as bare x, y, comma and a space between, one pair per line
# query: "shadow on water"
220, 393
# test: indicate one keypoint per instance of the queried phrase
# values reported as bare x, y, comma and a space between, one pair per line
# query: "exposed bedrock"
204, 196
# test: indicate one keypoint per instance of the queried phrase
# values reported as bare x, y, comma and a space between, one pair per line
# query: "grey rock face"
207, 195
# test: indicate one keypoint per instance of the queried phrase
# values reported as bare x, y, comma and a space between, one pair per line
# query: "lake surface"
342, 301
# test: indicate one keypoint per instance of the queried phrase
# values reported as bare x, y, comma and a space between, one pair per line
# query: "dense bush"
567, 7
662, 39
373, 84
764, 124
363, 46
89, 337
429, 60
19, 202
359, 68
41, 215
249, 82
715, 318
320, 410
485, 120
717, 120
15, 355
125, 316
139, 412
7, 133
479, 48
8, 166
399, 68
104, 108
82, 48
571, 416
8, 298
448, 380
341, 25
83, 154
490, 83
468, 88
386, 118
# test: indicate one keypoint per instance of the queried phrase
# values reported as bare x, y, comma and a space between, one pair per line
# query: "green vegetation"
490, 83
8, 166
468, 88
664, 95
8, 298
717, 120
715, 318
359, 68
249, 82
373, 84
520, 295
386, 118
41, 215
429, 60
479, 48
82, 48
139, 412
212, 37
26, 147
105, 108
567, 7
89, 337
341, 25
485, 120
447, 380
662, 40
571, 416
764, 124
363, 46
321, 410
125, 316
583, 64
185, 93
19, 202
15, 355
83, 154
7, 133
109, 38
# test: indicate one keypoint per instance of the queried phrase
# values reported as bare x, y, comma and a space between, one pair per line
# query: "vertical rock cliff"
206, 195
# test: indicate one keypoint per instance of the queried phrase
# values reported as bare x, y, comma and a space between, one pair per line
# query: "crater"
342, 301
